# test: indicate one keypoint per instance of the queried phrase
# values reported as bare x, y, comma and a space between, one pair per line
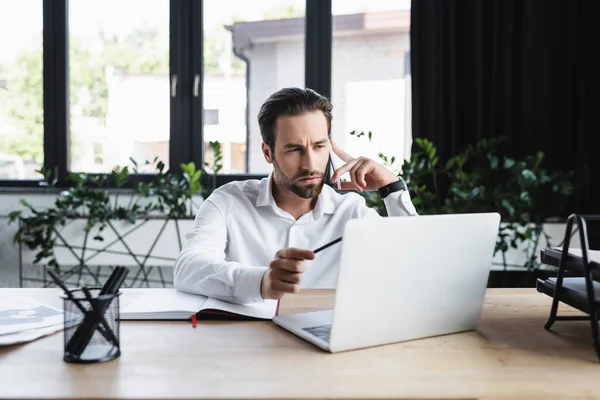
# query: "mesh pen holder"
91, 326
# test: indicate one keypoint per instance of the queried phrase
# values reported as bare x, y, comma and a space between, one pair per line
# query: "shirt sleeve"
201, 267
397, 204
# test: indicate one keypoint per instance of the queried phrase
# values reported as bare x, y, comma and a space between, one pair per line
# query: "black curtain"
524, 69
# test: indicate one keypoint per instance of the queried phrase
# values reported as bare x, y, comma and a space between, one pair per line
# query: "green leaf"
508, 207
13, 215
196, 175
528, 175
494, 162
509, 163
189, 168
26, 204
451, 162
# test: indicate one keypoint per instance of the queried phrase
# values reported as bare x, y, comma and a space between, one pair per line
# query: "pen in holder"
92, 320
91, 330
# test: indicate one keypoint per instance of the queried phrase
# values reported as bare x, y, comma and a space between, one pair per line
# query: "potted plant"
92, 225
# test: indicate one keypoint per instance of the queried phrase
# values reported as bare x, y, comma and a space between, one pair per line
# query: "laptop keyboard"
321, 331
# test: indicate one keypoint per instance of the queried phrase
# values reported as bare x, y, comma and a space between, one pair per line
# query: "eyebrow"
296, 145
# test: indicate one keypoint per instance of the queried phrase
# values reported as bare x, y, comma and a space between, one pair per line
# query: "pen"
100, 316
314, 251
327, 245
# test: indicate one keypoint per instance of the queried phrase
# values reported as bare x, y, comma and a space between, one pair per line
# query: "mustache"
306, 175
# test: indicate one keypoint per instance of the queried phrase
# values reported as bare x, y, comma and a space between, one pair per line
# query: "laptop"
404, 278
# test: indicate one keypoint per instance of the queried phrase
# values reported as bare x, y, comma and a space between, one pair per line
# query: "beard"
309, 191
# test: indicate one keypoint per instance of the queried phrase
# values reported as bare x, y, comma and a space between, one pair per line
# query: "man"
252, 240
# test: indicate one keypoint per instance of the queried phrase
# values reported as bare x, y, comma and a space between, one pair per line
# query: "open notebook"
171, 304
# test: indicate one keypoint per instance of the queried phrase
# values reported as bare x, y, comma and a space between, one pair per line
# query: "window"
118, 83
371, 76
21, 90
85, 85
251, 49
211, 117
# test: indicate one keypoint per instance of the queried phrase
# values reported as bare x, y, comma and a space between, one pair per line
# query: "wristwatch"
384, 191
399, 186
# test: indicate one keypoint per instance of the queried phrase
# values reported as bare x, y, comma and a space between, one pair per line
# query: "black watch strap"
384, 191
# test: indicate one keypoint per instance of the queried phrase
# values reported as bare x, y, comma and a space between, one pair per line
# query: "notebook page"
165, 302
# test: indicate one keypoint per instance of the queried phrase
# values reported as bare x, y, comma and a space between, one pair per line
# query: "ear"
267, 153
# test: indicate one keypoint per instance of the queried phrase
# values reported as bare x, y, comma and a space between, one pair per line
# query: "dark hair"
290, 101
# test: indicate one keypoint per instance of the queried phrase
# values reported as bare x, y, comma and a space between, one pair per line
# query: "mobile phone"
332, 170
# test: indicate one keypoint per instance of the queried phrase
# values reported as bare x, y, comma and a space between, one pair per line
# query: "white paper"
23, 314
23, 320
27, 336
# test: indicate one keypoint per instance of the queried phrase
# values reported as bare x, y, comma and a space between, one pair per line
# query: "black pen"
327, 245
100, 316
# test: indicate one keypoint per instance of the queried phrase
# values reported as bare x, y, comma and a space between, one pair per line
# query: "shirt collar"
325, 203
265, 195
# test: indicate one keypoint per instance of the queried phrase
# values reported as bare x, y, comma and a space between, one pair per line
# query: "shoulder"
236, 191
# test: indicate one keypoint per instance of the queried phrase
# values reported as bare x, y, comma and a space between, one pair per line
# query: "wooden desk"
508, 356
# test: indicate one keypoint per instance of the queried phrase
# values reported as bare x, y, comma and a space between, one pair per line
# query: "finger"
341, 153
287, 276
292, 265
348, 186
285, 287
342, 170
363, 169
353, 180
353, 176
295, 253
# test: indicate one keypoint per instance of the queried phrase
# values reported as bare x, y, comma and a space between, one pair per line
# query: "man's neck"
291, 203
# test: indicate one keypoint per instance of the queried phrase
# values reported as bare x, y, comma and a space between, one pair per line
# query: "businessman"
253, 240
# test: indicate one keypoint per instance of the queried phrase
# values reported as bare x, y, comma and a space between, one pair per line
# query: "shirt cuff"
247, 288
399, 204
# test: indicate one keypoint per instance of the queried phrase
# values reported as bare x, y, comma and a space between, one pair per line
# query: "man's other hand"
285, 273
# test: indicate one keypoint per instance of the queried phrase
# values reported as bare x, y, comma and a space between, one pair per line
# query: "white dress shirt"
239, 228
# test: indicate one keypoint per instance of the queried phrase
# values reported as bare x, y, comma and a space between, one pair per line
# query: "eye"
320, 146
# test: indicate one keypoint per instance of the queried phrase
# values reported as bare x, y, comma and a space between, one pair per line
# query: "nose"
309, 160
